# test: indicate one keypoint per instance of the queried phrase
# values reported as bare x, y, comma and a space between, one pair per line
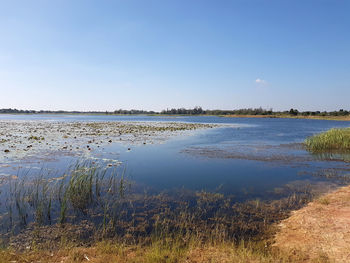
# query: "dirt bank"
321, 229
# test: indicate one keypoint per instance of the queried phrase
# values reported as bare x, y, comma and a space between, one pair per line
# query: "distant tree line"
15, 111
195, 111
120, 111
249, 111
341, 112
182, 111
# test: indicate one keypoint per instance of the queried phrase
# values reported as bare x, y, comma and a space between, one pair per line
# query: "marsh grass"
46, 199
80, 187
334, 140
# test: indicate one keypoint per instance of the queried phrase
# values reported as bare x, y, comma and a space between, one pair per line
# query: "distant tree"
293, 112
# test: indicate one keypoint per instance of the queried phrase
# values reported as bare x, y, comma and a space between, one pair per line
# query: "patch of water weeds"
250, 154
342, 176
273, 154
332, 156
20, 139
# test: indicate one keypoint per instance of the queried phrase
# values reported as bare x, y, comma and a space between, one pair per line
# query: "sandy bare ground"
321, 229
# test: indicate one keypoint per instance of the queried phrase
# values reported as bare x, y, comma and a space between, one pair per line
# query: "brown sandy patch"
320, 228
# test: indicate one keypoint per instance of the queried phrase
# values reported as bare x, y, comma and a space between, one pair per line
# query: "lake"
253, 156
240, 158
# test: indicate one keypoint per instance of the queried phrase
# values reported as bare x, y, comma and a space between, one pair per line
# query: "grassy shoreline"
160, 251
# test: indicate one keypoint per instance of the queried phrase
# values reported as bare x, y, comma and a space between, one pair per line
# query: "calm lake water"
248, 159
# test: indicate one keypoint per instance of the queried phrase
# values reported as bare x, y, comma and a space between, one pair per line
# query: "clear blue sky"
106, 55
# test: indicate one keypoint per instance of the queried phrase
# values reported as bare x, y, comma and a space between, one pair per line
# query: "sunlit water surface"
248, 159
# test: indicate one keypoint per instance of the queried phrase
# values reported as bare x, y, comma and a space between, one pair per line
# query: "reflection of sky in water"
248, 168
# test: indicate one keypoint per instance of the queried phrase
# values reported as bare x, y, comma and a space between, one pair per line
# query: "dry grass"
160, 252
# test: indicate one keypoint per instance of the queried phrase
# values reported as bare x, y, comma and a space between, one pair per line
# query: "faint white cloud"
261, 84
260, 81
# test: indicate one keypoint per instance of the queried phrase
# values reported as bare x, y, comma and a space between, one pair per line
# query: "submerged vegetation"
93, 206
334, 140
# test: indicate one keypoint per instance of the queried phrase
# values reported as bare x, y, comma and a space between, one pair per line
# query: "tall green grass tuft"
337, 140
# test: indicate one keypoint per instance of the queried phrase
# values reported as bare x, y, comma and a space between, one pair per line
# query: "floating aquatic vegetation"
19, 139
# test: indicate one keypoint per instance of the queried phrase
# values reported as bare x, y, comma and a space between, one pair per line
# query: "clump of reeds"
83, 192
332, 140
